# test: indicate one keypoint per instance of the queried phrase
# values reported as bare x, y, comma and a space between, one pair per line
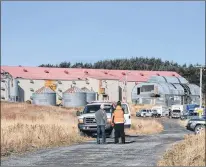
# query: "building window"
59, 82
147, 88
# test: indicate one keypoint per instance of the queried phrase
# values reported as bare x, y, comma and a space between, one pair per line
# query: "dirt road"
138, 150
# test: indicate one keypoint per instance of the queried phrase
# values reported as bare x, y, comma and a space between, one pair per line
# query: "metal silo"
74, 97
13, 89
90, 95
44, 96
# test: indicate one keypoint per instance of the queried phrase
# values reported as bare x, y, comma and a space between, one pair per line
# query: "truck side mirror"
78, 113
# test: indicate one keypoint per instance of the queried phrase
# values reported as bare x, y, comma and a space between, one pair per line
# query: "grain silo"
44, 96
74, 97
90, 95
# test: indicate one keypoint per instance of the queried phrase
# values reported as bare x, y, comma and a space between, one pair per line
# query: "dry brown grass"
25, 127
143, 126
189, 152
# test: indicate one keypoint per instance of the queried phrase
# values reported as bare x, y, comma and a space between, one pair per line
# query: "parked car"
189, 115
138, 113
197, 125
160, 111
146, 113
155, 113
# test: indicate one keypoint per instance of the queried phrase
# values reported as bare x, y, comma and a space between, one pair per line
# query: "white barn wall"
26, 86
112, 88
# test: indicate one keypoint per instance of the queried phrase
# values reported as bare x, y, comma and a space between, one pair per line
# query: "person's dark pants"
101, 131
119, 132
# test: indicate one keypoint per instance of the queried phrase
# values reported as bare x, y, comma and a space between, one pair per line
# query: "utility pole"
126, 85
126, 88
200, 87
201, 68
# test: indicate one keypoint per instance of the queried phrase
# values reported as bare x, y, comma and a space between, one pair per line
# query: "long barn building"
19, 83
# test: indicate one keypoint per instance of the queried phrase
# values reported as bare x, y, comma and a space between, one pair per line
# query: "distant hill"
190, 72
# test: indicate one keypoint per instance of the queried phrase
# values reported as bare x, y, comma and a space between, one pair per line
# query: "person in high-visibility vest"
118, 123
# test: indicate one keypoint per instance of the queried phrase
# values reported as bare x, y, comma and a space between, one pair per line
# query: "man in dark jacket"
101, 119
118, 122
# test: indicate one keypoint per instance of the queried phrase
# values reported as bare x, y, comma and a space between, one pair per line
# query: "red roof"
82, 74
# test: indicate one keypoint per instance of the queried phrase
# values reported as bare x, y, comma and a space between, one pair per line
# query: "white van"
160, 111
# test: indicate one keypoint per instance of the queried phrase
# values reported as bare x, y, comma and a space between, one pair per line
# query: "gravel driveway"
138, 151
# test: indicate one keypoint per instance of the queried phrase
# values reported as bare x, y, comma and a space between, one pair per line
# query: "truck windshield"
176, 111
125, 108
95, 108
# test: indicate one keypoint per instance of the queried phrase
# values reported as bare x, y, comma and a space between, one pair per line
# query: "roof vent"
46, 71
158, 74
3, 89
3, 98
66, 72
79, 78
25, 70
31, 81
60, 90
86, 72
105, 72
141, 74
31, 89
173, 75
123, 73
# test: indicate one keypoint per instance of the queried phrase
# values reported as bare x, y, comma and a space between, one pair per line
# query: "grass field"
25, 127
189, 152
143, 126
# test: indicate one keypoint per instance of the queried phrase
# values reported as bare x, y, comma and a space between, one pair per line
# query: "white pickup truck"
87, 123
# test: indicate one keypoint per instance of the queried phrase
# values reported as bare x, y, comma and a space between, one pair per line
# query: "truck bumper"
93, 128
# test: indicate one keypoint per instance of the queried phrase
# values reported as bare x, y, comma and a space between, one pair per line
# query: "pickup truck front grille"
90, 121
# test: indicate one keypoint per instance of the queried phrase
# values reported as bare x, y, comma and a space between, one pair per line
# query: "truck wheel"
82, 134
144, 115
199, 129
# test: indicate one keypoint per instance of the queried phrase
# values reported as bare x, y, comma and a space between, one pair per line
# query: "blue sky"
35, 33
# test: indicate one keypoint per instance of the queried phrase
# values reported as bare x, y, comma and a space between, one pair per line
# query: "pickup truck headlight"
80, 120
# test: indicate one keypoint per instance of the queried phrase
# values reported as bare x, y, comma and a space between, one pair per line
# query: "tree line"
190, 72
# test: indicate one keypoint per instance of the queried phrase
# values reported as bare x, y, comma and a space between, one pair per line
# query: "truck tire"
82, 134
199, 129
